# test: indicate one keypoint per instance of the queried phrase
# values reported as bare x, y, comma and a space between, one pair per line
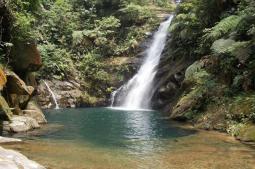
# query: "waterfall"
137, 92
52, 95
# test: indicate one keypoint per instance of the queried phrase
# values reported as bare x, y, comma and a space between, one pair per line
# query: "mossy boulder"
196, 84
246, 132
196, 74
3, 79
188, 104
242, 108
6, 111
88, 100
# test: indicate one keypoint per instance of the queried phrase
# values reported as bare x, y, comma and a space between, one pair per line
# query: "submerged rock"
10, 159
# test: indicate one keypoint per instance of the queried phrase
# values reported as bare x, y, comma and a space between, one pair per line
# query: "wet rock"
10, 159
22, 124
187, 103
9, 140
169, 79
34, 111
69, 94
35, 114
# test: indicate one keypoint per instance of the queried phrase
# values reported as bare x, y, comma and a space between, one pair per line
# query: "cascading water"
137, 93
52, 95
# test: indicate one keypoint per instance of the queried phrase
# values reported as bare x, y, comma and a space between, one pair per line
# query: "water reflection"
138, 132
103, 138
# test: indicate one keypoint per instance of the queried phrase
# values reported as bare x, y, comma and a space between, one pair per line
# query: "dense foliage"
218, 38
78, 37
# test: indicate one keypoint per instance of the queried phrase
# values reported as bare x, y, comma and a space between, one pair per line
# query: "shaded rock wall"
169, 78
25, 57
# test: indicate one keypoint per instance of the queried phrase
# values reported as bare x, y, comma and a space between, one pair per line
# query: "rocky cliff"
206, 74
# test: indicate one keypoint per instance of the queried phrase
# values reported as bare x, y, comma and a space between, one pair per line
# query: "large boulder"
10, 159
247, 133
21, 124
188, 102
15, 85
26, 57
9, 140
34, 111
18, 92
5, 109
3, 79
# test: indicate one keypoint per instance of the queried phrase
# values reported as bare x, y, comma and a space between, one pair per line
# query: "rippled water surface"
115, 139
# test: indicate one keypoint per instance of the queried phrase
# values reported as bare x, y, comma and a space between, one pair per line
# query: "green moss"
244, 132
89, 100
242, 108
5, 108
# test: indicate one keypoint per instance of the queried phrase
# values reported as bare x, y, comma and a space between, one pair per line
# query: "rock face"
26, 57
168, 80
18, 93
34, 111
10, 159
6, 111
68, 94
9, 140
15, 85
19, 97
21, 124
3, 79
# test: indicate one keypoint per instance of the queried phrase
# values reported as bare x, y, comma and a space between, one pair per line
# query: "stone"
18, 92
33, 110
15, 85
26, 57
9, 140
30, 79
3, 79
19, 101
22, 124
5, 107
187, 103
35, 114
10, 159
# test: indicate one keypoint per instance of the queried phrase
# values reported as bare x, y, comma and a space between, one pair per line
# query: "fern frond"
224, 27
239, 50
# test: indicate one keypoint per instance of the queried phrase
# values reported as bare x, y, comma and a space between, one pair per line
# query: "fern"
221, 46
224, 27
239, 50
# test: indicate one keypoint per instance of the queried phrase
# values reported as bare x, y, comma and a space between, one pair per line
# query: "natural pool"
103, 138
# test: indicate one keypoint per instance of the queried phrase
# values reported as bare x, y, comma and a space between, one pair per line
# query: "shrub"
134, 14
56, 62
92, 68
